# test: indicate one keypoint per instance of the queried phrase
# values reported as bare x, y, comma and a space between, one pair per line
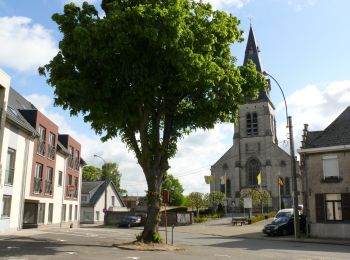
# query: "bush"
261, 217
157, 238
208, 217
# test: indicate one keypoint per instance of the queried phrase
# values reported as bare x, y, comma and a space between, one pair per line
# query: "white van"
284, 213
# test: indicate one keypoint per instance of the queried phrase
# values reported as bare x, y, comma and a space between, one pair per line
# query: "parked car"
284, 213
130, 221
284, 226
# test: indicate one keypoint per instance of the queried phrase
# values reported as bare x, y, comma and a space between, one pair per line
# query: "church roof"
337, 133
226, 157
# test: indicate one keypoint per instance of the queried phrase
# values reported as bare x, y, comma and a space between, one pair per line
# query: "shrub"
261, 217
157, 238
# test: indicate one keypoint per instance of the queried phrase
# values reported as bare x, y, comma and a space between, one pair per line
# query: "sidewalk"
223, 227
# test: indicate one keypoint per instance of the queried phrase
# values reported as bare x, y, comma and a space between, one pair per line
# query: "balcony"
70, 161
52, 152
41, 147
331, 179
38, 185
48, 187
76, 164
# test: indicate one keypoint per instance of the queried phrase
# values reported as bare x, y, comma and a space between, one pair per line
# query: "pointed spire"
252, 51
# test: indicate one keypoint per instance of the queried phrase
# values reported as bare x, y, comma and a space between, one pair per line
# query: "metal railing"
48, 187
70, 161
52, 152
41, 147
38, 185
76, 164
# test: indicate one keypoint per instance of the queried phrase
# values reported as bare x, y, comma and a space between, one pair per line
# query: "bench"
239, 220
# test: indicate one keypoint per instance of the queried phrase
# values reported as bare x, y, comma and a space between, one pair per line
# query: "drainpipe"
24, 181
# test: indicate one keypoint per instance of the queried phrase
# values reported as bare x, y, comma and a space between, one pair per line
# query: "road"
97, 243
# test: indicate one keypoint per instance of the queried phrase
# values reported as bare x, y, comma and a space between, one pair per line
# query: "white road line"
71, 253
228, 256
12, 247
133, 257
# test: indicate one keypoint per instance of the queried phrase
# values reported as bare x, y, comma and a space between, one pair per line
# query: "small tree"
259, 197
110, 172
197, 200
175, 189
216, 198
91, 173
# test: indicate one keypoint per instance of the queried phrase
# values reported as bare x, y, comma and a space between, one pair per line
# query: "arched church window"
249, 124
255, 124
253, 169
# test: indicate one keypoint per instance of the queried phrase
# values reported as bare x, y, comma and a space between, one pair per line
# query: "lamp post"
292, 161
105, 208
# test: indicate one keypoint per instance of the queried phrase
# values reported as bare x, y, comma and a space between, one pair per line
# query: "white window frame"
330, 166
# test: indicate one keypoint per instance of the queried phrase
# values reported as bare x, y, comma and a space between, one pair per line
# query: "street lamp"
105, 209
292, 160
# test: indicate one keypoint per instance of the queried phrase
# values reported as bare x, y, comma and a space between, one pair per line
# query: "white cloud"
300, 5
316, 106
80, 2
226, 4
24, 46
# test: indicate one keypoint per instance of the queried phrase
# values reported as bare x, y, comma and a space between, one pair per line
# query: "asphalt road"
96, 243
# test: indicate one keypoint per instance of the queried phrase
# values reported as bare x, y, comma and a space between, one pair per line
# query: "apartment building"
41, 170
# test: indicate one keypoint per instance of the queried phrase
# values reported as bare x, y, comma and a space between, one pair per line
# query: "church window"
252, 124
249, 124
287, 186
253, 169
255, 124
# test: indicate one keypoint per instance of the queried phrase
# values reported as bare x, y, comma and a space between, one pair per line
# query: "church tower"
255, 147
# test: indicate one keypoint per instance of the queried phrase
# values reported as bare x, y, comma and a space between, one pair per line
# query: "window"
249, 124
83, 198
70, 212
228, 188
97, 215
41, 213
38, 178
333, 207
76, 212
70, 158
330, 166
75, 194
113, 201
63, 214
10, 166
48, 182
6, 206
76, 160
253, 170
52, 147
49, 218
41, 140
255, 124
69, 192
60, 174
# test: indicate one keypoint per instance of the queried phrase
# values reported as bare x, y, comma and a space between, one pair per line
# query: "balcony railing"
75, 193
76, 164
48, 187
70, 161
9, 176
38, 185
52, 152
41, 147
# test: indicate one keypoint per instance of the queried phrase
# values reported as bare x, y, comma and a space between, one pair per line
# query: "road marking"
133, 257
71, 253
51, 247
12, 247
62, 240
228, 256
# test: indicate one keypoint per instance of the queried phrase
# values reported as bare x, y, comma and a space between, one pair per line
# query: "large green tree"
150, 71
111, 172
91, 173
175, 190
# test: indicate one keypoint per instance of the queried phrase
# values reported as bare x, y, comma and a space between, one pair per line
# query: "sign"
165, 196
247, 202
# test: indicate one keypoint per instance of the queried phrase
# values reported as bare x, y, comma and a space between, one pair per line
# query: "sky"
304, 44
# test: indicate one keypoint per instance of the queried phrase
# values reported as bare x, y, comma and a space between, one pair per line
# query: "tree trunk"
197, 212
153, 210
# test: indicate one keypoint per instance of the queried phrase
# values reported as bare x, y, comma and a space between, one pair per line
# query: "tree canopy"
91, 173
150, 71
197, 200
175, 190
259, 196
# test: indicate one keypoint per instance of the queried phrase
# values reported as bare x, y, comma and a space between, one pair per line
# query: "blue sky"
304, 44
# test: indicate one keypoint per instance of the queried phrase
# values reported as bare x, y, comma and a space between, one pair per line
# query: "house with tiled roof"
98, 197
325, 166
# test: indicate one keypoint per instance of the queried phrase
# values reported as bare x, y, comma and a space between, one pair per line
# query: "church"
254, 151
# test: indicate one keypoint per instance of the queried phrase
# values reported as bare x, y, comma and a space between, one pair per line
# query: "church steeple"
252, 51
